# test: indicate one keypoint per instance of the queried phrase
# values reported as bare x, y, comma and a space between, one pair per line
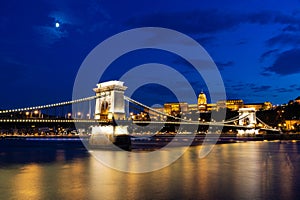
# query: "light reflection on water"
252, 170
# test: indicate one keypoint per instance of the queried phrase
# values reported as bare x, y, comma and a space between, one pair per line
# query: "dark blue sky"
255, 44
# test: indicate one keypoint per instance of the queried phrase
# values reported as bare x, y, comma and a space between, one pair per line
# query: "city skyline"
254, 45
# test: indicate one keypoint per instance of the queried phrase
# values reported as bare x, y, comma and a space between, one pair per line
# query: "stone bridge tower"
247, 117
111, 103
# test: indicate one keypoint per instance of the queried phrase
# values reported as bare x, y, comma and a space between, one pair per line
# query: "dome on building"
202, 102
202, 99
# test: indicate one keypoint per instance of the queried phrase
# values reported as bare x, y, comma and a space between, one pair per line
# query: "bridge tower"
247, 117
111, 103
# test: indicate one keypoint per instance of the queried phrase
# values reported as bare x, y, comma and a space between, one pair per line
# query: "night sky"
255, 44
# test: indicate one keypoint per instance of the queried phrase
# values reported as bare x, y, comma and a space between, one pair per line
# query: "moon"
57, 25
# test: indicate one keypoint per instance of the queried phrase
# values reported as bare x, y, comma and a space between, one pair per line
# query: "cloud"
254, 87
268, 54
222, 65
286, 63
205, 40
49, 35
265, 73
283, 90
295, 86
284, 39
268, 17
210, 21
262, 88
203, 21
251, 86
291, 28
21, 22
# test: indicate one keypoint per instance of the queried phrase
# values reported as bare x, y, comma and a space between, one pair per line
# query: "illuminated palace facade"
179, 109
202, 106
288, 122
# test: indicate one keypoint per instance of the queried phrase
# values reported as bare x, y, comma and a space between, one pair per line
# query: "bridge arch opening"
104, 110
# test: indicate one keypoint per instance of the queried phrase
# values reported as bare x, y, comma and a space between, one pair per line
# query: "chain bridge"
109, 104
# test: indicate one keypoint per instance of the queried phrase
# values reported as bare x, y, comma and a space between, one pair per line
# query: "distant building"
297, 100
175, 108
203, 106
193, 107
211, 106
159, 109
259, 106
291, 125
232, 104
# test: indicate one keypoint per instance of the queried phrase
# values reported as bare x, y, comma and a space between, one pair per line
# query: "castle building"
175, 108
259, 106
297, 100
232, 104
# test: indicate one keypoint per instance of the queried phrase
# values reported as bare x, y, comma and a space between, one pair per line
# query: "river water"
250, 170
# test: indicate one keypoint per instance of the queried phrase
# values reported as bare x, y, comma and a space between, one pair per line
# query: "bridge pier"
109, 107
